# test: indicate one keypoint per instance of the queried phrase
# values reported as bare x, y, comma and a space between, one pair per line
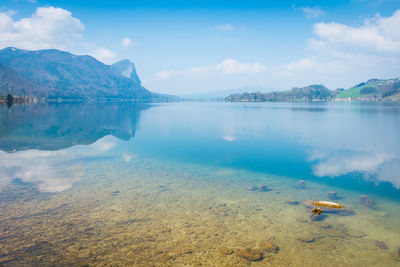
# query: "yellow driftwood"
328, 204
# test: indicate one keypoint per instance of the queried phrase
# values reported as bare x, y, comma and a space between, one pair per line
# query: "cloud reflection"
50, 171
376, 167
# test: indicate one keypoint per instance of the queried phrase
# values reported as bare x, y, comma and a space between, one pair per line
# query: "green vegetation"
372, 89
314, 92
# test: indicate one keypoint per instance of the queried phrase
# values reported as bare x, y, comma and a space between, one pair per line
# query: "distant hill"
374, 89
315, 92
54, 74
221, 94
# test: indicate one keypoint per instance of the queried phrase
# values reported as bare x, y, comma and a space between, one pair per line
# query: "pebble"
356, 234
269, 247
366, 201
264, 188
292, 202
301, 184
381, 245
306, 238
248, 254
335, 233
397, 254
324, 225
225, 250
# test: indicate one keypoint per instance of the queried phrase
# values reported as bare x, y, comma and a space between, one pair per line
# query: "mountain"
221, 94
373, 89
314, 92
10, 79
127, 69
55, 74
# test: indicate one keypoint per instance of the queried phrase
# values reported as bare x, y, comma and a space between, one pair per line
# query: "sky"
195, 46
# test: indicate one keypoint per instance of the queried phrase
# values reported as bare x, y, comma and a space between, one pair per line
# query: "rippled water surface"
199, 184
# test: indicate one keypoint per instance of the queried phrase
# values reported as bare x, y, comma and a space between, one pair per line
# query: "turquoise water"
168, 184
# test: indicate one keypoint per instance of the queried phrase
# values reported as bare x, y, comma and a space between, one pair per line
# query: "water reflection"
57, 126
46, 145
375, 167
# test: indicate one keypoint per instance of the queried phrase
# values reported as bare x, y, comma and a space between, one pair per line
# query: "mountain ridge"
53, 74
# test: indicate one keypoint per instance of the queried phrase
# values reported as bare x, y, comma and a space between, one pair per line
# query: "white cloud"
342, 55
104, 55
225, 27
377, 35
312, 12
226, 67
49, 28
127, 42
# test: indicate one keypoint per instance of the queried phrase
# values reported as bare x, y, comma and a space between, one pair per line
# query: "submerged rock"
301, 184
381, 245
397, 254
249, 254
323, 225
264, 188
292, 202
225, 250
318, 218
269, 247
366, 201
335, 233
306, 238
332, 195
356, 234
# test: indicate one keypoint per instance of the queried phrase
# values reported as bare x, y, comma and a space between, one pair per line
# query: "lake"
199, 184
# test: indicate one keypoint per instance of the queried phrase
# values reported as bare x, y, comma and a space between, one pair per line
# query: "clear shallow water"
167, 184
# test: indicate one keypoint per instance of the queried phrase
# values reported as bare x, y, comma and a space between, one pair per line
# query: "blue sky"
184, 47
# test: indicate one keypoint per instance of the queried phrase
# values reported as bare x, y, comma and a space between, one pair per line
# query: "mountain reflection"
46, 145
58, 126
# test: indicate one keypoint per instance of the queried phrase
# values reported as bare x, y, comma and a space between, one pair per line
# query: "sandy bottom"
156, 213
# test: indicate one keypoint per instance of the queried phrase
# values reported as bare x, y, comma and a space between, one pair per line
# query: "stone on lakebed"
249, 254
269, 247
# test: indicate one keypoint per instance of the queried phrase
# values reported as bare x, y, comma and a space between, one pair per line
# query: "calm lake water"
199, 184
